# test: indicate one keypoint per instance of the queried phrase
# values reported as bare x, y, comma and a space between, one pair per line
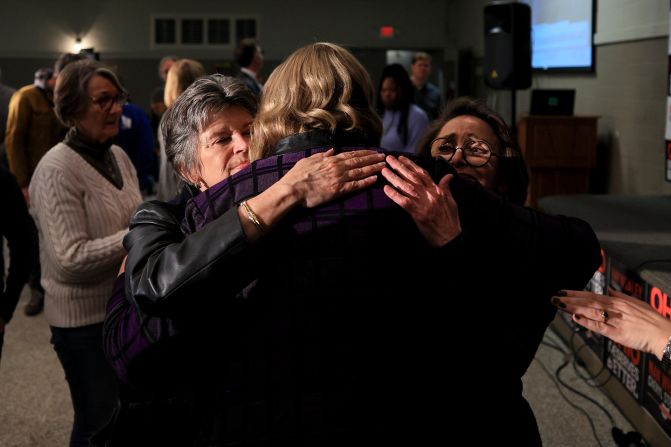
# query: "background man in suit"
427, 95
249, 57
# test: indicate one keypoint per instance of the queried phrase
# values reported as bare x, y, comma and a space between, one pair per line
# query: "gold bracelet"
251, 215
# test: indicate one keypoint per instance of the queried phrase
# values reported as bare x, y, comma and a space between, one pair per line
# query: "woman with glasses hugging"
83, 192
503, 251
478, 144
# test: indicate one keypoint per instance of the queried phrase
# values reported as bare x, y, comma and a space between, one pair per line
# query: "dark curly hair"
512, 173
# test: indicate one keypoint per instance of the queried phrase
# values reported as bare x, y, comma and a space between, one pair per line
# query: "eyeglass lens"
475, 153
106, 102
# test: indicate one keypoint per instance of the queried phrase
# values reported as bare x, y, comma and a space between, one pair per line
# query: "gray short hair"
71, 96
193, 111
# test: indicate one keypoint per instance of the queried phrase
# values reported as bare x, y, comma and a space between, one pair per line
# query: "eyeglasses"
475, 153
106, 102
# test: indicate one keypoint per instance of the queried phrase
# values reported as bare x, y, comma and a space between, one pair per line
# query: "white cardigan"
81, 218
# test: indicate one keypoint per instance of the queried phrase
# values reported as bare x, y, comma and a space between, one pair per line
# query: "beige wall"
627, 91
34, 32
121, 28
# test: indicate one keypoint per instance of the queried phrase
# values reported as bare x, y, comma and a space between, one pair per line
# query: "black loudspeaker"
508, 46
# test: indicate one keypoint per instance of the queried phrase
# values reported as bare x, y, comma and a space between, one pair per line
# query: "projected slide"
561, 44
561, 34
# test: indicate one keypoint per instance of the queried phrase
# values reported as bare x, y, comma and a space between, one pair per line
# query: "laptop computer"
552, 102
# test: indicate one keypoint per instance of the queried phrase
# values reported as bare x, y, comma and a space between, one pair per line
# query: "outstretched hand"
623, 319
323, 177
431, 206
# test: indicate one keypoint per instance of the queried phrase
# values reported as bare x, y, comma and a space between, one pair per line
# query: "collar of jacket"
323, 138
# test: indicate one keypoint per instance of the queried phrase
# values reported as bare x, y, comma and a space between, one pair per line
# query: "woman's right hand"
323, 177
628, 321
431, 206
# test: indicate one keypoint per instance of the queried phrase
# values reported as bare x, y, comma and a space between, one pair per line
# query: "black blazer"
250, 82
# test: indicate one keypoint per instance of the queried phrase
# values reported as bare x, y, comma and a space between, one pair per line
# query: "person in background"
84, 191
620, 317
157, 106
32, 126
33, 129
6, 93
135, 137
403, 122
16, 227
427, 95
180, 76
249, 57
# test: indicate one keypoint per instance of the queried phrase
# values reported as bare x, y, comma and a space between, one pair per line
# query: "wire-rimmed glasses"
475, 152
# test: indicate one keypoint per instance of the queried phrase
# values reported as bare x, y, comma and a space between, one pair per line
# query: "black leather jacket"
162, 262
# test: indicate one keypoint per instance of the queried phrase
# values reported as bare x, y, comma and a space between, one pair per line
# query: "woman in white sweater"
83, 192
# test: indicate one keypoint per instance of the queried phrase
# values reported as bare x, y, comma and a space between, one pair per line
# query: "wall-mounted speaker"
508, 46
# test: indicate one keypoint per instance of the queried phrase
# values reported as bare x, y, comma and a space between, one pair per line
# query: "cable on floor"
568, 401
590, 378
621, 439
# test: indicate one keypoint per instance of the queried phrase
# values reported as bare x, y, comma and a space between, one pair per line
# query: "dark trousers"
2, 286
93, 385
36, 272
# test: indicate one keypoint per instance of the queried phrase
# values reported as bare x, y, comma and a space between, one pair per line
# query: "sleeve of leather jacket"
168, 273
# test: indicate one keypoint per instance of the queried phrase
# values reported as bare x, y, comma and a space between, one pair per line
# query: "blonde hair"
181, 75
319, 86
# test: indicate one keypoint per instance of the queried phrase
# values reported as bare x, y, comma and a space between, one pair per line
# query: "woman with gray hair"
165, 349
83, 192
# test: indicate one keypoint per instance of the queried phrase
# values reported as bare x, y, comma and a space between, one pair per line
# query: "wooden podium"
560, 152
